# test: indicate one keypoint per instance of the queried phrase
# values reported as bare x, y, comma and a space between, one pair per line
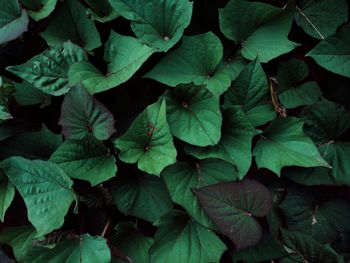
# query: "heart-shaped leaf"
158, 23
194, 115
233, 207
82, 114
40, 184
148, 141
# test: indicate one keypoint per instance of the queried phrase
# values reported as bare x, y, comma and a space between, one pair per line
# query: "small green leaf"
69, 22
292, 92
194, 115
321, 18
180, 178
124, 56
82, 114
82, 249
148, 141
48, 70
183, 66
20, 239
235, 142
7, 193
145, 197
13, 20
40, 184
158, 23
87, 159
284, 143
39, 9
183, 241
333, 52
263, 33
233, 207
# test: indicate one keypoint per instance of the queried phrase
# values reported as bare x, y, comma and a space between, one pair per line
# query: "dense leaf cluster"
174, 131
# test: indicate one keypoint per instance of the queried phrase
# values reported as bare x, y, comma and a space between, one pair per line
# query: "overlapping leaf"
101, 10
39, 9
7, 193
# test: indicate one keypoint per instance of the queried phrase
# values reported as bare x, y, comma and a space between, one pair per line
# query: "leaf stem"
106, 227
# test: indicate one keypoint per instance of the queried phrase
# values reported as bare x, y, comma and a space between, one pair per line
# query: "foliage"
174, 131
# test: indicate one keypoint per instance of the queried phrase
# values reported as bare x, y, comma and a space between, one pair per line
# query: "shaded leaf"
101, 10
39, 9
7, 193
26, 94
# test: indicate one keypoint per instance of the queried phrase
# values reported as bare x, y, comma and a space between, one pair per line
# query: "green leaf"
148, 141
326, 123
321, 18
82, 114
183, 66
6, 90
305, 211
40, 184
267, 249
284, 143
145, 197
31, 145
180, 178
194, 115
292, 91
233, 207
82, 249
69, 22
159, 23
184, 241
333, 52
101, 10
26, 94
87, 159
250, 91
305, 249
13, 20
7, 193
132, 243
263, 33
235, 142
20, 239
48, 70
39, 9
124, 56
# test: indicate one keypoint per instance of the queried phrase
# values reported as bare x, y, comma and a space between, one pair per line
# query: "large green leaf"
31, 145
26, 94
124, 56
235, 142
250, 91
263, 33
48, 70
39, 9
292, 91
82, 249
183, 65
21, 240
132, 243
13, 20
7, 193
284, 143
148, 141
181, 178
180, 240
145, 197
40, 184
305, 211
69, 22
303, 248
101, 10
194, 115
327, 123
158, 23
321, 18
82, 114
87, 159
333, 52
233, 207
267, 249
